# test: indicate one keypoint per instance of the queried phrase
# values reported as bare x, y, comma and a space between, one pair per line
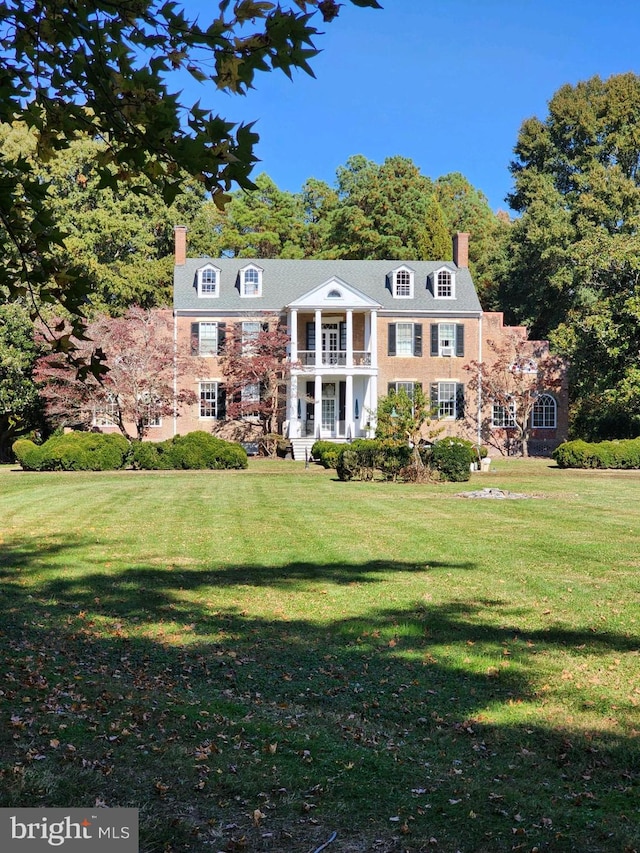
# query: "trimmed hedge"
74, 451
326, 453
196, 450
364, 459
452, 458
602, 454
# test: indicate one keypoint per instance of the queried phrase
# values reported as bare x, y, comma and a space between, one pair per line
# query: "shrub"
74, 451
603, 454
196, 450
326, 453
452, 458
360, 459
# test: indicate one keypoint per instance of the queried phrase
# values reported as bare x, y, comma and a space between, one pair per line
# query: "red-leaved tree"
508, 385
138, 387
256, 370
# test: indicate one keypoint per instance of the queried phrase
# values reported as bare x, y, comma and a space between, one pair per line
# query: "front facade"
357, 330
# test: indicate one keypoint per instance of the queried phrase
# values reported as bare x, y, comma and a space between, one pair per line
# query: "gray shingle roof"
284, 281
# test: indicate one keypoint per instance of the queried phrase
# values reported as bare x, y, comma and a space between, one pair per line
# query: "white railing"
333, 358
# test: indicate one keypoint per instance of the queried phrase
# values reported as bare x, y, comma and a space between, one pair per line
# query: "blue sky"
444, 82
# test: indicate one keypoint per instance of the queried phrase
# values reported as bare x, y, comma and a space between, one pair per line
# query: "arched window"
444, 285
544, 413
403, 284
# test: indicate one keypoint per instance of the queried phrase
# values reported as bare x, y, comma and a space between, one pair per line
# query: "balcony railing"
333, 358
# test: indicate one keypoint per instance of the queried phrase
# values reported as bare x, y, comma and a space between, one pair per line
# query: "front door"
329, 409
330, 343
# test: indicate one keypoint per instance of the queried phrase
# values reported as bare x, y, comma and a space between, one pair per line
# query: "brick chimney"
180, 244
461, 249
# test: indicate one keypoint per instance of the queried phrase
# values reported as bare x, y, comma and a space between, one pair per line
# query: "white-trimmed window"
210, 400
544, 413
105, 413
151, 417
447, 339
209, 282
503, 417
444, 288
207, 338
447, 400
250, 331
251, 282
403, 284
405, 339
402, 384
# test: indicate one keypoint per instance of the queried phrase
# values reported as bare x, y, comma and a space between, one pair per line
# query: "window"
403, 284
251, 282
150, 416
447, 400
502, 416
447, 339
409, 387
444, 285
543, 415
208, 282
334, 294
405, 339
251, 393
250, 331
211, 400
105, 413
207, 338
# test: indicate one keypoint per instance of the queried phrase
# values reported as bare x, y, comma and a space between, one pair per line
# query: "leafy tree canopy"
575, 250
106, 69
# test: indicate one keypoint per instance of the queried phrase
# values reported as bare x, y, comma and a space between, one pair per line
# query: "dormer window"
251, 282
403, 284
209, 282
444, 285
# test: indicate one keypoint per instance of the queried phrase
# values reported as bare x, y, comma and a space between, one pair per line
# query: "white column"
373, 341
317, 407
373, 403
349, 339
318, 322
348, 407
293, 334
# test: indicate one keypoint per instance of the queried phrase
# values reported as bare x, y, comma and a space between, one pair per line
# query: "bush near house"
602, 454
326, 453
364, 459
74, 451
195, 450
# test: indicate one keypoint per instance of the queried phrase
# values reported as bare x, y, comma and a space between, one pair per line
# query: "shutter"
433, 390
311, 335
417, 339
392, 339
195, 338
222, 400
459, 401
460, 340
265, 327
342, 402
391, 388
221, 337
434, 339
343, 336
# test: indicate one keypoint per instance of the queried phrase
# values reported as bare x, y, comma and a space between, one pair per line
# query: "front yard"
258, 659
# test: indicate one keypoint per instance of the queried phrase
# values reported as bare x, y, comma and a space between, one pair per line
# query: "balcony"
334, 358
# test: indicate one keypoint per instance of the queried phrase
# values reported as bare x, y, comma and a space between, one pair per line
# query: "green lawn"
259, 659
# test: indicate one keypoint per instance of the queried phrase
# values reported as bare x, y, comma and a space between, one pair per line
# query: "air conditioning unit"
448, 351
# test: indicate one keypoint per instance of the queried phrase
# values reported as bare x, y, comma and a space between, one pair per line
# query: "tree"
508, 385
387, 211
264, 223
575, 249
404, 416
20, 408
255, 369
138, 389
466, 209
106, 69
123, 241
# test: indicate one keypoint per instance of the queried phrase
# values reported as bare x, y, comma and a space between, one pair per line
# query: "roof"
286, 281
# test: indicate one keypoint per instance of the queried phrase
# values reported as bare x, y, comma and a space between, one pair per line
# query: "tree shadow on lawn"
341, 724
